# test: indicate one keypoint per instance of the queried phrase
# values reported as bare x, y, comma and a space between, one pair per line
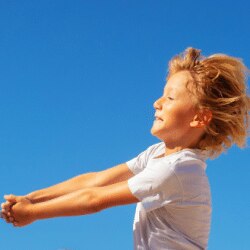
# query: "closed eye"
170, 98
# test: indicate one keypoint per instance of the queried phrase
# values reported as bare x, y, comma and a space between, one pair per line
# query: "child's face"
174, 111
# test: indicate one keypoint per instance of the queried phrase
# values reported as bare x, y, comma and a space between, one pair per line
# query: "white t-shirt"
174, 211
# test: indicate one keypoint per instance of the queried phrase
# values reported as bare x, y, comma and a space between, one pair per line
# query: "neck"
171, 150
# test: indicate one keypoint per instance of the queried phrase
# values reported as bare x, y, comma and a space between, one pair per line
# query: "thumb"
10, 198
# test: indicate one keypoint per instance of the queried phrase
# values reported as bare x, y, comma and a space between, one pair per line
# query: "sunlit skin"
177, 122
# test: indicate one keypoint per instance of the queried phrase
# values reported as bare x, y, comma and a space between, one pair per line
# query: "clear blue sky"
77, 84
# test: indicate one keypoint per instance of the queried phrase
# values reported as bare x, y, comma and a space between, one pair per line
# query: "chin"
156, 133
153, 131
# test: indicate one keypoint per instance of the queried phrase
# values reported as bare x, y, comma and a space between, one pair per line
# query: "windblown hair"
220, 84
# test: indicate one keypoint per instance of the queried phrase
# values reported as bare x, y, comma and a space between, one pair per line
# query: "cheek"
179, 114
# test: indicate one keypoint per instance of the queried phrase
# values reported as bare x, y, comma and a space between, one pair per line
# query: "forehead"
178, 81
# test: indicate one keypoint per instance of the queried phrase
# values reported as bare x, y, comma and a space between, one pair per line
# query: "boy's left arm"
84, 201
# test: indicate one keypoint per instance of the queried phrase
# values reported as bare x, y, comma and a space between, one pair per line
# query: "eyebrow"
170, 90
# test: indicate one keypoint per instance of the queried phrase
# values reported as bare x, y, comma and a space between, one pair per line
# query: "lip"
157, 118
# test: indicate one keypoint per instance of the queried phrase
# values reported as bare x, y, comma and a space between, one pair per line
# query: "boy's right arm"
106, 177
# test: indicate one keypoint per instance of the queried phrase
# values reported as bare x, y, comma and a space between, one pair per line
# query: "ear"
201, 119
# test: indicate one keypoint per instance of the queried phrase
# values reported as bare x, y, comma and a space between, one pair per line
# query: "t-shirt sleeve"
137, 164
156, 186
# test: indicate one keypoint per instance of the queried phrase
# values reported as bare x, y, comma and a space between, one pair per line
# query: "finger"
9, 214
6, 213
10, 197
6, 209
4, 204
3, 211
11, 219
6, 219
7, 205
4, 216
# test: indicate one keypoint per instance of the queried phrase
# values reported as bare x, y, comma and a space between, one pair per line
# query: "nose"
157, 104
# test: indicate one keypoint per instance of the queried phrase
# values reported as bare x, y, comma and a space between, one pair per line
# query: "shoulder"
156, 149
138, 163
188, 158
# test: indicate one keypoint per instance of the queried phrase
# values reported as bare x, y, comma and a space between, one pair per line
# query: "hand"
5, 210
6, 207
19, 210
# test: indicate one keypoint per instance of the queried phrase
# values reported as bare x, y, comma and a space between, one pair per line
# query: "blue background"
77, 84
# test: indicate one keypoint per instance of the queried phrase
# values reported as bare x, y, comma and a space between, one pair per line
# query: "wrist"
30, 197
33, 212
35, 197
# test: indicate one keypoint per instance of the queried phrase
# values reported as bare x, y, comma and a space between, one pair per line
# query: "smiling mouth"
158, 118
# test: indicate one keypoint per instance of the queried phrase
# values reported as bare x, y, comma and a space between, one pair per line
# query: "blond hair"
220, 83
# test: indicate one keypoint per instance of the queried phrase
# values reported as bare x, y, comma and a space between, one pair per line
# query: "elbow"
91, 202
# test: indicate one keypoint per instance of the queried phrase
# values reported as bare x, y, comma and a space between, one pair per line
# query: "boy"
202, 112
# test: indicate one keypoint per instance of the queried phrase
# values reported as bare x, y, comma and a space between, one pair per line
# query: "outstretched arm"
80, 202
95, 179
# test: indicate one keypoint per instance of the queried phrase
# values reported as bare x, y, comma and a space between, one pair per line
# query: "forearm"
97, 179
75, 203
80, 202
79, 182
